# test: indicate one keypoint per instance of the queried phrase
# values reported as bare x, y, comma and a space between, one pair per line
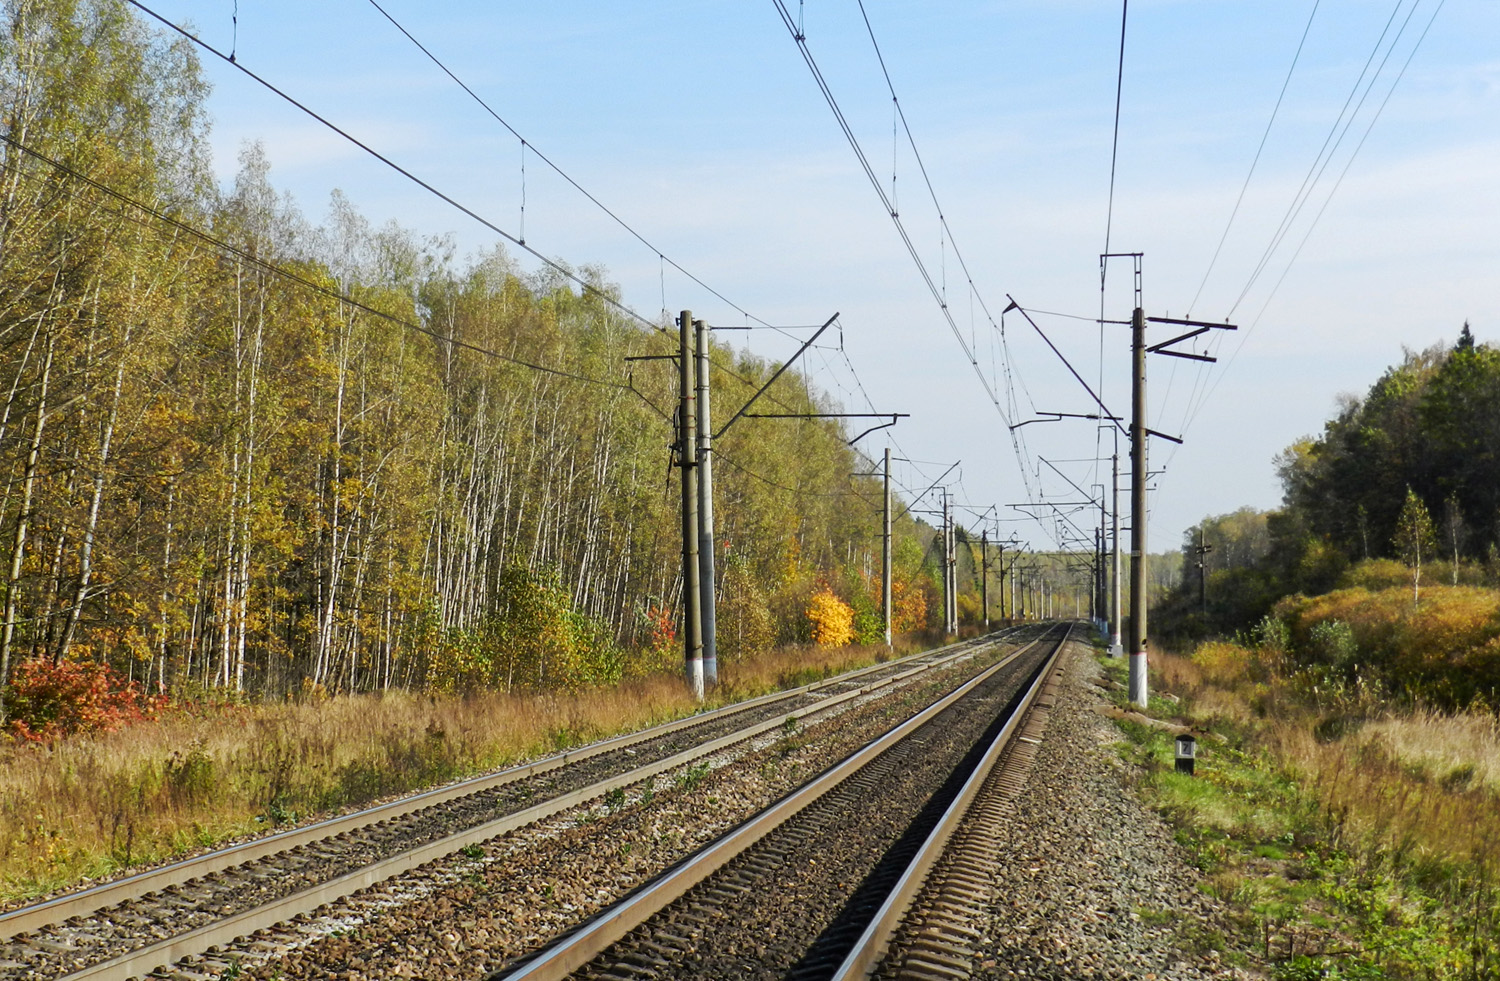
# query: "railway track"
814, 885
131, 927
930, 925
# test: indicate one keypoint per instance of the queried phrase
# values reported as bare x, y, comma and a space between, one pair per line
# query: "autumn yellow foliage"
908, 606
831, 619
1221, 662
1447, 650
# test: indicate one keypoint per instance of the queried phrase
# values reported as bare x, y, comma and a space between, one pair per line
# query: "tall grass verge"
1358, 837
92, 805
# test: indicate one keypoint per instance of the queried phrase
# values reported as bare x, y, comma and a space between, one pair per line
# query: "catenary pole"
885, 553
943, 535
1138, 686
984, 576
1101, 569
952, 571
692, 624
1001, 547
1115, 650
953, 566
708, 604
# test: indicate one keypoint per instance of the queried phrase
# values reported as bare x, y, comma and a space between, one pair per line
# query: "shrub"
909, 606
1376, 574
1272, 635
831, 619
746, 627
50, 699
864, 593
1446, 651
533, 639
1331, 642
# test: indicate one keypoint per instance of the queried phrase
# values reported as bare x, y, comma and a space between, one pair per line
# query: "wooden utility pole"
885, 553
706, 580
687, 419
1138, 688
1202, 550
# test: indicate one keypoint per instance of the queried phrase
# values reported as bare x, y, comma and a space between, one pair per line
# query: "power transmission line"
285, 273
1258, 150
1330, 146
1349, 163
1109, 210
1114, 152
939, 293
582, 283
525, 144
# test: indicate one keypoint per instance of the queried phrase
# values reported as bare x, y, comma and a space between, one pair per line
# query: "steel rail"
85, 901
579, 948
863, 960
148, 957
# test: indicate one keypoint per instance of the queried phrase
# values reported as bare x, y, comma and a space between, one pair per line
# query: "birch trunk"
23, 520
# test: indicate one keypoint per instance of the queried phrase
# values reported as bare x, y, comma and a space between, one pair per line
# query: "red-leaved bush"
48, 700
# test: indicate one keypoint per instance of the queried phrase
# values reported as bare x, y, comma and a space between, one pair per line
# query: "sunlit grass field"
1355, 829
93, 805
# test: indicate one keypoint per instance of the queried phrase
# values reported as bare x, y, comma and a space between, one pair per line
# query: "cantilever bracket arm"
892, 416
761, 391
630, 385
1191, 357
1180, 337
1203, 328
1066, 363
1060, 416
885, 425
928, 490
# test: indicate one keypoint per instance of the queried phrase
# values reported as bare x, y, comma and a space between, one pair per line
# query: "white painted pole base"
1116, 649
1138, 679
695, 678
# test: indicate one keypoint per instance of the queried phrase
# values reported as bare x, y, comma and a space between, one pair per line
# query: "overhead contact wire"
885, 200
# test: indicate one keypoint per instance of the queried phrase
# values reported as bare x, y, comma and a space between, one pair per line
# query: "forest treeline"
1409, 473
217, 475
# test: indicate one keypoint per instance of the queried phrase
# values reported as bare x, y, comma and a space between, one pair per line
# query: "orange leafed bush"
49, 699
831, 619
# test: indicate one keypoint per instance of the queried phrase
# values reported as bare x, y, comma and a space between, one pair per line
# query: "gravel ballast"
1089, 881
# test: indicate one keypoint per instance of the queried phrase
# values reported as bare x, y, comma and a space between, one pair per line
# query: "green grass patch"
1308, 896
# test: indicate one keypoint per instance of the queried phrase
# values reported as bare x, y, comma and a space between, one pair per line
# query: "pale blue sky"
699, 124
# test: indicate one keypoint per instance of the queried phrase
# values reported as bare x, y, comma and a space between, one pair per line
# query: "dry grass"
1412, 788
1460, 750
91, 806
